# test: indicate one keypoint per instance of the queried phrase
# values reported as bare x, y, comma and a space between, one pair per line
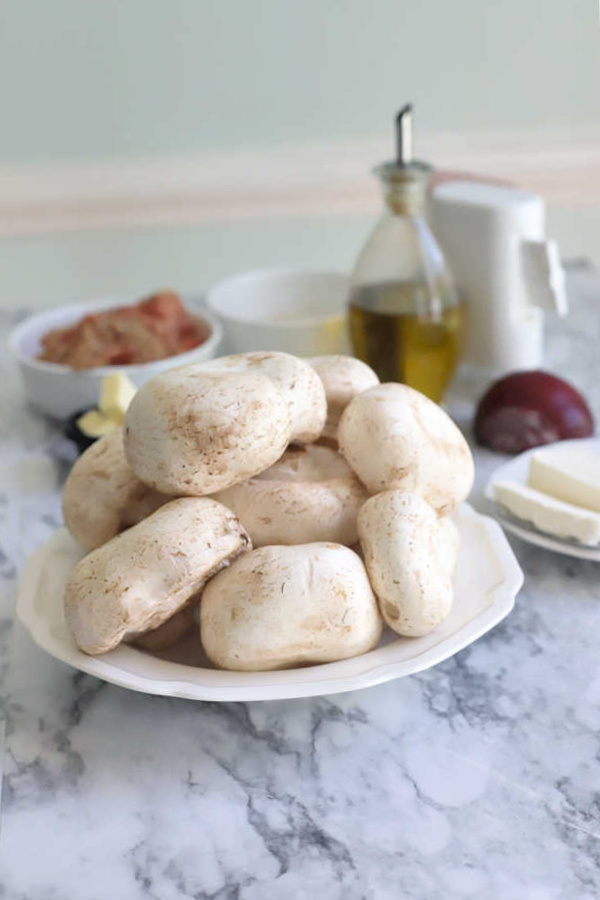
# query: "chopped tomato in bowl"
63, 353
156, 328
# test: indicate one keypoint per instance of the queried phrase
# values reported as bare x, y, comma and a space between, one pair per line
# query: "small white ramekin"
59, 391
300, 312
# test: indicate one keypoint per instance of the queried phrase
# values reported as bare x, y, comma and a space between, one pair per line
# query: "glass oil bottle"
406, 320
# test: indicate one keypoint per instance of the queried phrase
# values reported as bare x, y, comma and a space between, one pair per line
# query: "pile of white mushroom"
298, 459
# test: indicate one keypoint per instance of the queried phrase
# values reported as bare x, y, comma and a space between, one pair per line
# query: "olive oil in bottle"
421, 350
405, 318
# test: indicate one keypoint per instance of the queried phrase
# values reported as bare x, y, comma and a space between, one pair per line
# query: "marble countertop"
480, 778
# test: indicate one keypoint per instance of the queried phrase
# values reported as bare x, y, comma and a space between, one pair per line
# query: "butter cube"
95, 424
116, 393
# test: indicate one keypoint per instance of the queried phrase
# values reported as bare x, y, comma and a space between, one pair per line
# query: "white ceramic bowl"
296, 311
59, 391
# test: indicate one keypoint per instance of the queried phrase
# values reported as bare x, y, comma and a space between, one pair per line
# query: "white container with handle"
504, 268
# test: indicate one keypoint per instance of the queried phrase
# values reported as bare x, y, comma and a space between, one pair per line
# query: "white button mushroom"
142, 577
300, 383
193, 432
343, 378
394, 437
279, 607
102, 496
310, 494
410, 554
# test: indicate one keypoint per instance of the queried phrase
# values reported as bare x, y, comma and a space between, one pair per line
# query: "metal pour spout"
404, 139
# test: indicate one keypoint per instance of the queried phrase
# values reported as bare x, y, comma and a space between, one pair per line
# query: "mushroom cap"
142, 577
311, 494
343, 378
279, 607
102, 496
410, 554
193, 432
396, 438
299, 381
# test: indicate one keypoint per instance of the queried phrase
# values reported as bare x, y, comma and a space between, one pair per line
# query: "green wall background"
82, 79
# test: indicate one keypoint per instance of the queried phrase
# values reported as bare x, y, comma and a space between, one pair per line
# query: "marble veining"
480, 778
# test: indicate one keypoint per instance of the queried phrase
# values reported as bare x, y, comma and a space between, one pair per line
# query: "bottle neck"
405, 198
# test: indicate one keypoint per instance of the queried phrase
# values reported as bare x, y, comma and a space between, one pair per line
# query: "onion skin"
529, 409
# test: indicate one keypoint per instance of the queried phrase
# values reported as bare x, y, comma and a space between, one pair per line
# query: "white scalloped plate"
486, 583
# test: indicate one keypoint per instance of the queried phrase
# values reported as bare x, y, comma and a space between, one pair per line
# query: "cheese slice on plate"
548, 514
571, 474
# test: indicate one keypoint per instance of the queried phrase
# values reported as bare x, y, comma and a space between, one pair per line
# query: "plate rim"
503, 596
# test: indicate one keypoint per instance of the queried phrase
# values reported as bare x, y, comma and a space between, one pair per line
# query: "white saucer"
517, 469
486, 582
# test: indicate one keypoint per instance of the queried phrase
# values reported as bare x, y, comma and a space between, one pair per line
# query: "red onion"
528, 409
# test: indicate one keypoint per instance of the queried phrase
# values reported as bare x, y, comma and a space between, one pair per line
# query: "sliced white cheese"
116, 393
572, 475
548, 514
